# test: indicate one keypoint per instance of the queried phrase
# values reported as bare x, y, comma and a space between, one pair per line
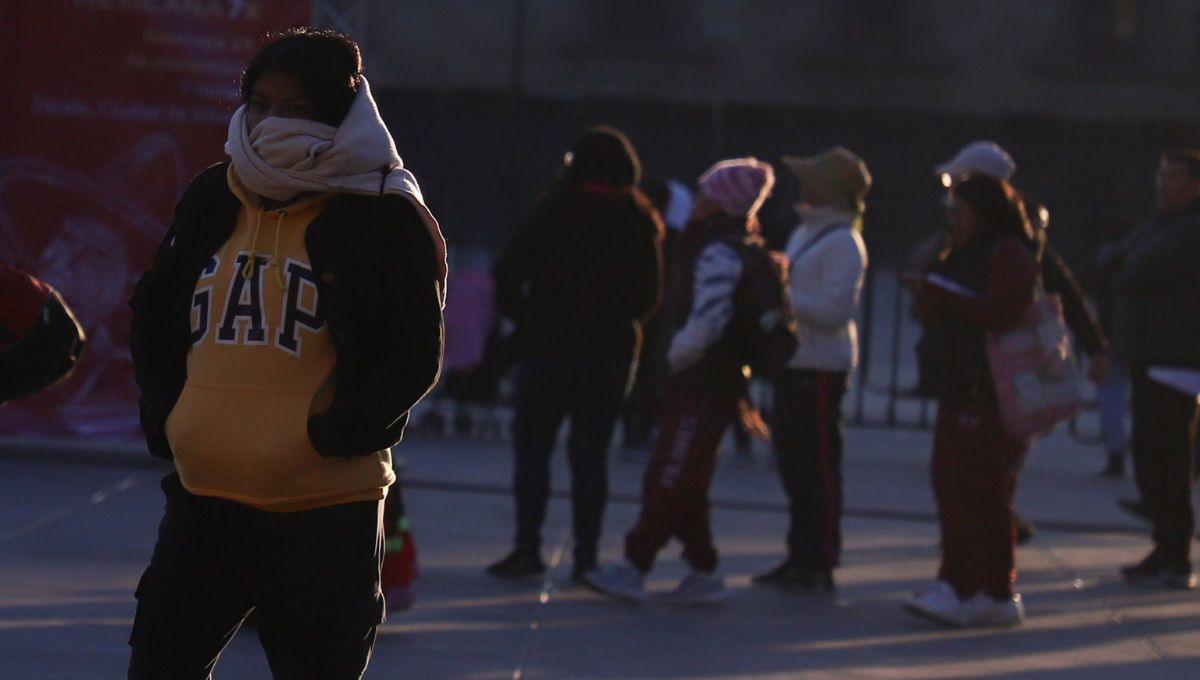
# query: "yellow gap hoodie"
261, 362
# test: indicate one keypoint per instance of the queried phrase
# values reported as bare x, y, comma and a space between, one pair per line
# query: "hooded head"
738, 186
325, 65
604, 155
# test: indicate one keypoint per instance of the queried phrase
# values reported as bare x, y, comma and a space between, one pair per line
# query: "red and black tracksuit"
975, 464
676, 481
699, 403
807, 431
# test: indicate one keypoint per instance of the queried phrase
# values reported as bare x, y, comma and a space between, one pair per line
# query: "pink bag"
1032, 365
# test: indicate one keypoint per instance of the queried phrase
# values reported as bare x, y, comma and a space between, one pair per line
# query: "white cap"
982, 158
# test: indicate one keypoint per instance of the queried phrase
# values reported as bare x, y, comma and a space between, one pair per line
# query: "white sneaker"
698, 589
983, 612
939, 603
936, 584
621, 581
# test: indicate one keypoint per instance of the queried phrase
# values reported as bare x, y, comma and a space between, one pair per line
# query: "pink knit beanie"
739, 185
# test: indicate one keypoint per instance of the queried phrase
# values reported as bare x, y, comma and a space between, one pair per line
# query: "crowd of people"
987, 273
293, 317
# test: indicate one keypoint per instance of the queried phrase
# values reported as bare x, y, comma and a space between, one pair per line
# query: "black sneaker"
814, 582
1115, 468
1150, 563
777, 577
518, 565
1151, 573
795, 579
1025, 530
580, 570
1180, 579
1138, 508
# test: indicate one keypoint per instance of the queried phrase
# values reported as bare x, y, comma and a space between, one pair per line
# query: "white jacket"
826, 283
718, 269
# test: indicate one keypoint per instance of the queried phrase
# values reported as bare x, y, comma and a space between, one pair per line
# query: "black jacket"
1158, 295
584, 272
1002, 276
376, 274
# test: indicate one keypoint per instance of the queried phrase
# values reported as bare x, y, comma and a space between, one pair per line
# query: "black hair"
1189, 158
999, 212
603, 154
658, 192
327, 65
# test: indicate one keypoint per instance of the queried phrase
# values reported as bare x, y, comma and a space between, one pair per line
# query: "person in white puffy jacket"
827, 261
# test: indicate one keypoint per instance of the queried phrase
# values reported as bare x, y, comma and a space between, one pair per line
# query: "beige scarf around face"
282, 157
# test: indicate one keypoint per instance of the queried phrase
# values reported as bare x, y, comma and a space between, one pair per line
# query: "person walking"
984, 281
291, 319
827, 261
1157, 329
704, 383
579, 279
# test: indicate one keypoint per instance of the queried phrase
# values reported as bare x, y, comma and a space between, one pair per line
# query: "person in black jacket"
579, 279
1158, 327
291, 319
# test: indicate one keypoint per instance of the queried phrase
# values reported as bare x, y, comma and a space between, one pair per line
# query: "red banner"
111, 106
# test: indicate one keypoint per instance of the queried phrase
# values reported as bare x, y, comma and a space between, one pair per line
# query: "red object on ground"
21, 300
398, 574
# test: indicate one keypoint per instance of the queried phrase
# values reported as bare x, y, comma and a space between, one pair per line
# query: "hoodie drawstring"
252, 259
275, 252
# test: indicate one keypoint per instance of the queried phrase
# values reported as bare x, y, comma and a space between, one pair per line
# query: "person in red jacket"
984, 281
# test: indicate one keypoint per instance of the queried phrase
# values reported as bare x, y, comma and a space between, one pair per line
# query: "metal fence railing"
883, 393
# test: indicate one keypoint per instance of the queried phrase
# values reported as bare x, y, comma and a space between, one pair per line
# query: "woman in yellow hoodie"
290, 321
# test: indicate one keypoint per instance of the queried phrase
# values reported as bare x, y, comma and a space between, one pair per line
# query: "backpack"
764, 332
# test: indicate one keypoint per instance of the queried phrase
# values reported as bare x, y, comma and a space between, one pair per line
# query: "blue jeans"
589, 388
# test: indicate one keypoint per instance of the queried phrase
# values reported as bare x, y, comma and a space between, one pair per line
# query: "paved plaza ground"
77, 522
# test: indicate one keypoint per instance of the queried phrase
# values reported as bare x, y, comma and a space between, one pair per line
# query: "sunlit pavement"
78, 521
